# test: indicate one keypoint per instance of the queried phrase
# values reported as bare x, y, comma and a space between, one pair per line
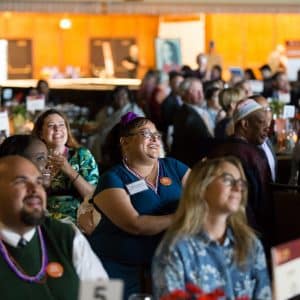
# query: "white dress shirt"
202, 112
271, 161
85, 261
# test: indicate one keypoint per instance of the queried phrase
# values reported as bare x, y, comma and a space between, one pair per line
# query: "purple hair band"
128, 117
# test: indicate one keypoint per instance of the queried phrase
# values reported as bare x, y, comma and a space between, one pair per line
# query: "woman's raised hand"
57, 162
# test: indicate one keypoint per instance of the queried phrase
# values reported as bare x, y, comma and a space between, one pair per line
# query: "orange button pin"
165, 181
54, 269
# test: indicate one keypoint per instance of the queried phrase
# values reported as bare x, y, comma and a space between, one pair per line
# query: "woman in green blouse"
74, 171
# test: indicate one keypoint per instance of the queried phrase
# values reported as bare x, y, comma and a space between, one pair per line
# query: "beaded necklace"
153, 187
17, 270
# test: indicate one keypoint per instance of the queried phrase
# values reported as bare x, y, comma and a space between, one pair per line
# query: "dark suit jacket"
199, 75
192, 140
270, 145
168, 108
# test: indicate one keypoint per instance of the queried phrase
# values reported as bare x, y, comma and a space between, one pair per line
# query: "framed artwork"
107, 54
168, 54
19, 59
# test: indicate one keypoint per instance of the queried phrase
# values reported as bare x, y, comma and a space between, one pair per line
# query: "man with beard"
40, 258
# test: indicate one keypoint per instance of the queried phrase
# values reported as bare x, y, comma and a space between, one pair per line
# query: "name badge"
136, 187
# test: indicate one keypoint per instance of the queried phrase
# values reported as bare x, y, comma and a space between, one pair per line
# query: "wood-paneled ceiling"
152, 6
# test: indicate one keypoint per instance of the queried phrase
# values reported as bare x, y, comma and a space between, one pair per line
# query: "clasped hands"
57, 162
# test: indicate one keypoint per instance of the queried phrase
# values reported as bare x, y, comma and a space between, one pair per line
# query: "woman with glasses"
74, 171
209, 243
137, 199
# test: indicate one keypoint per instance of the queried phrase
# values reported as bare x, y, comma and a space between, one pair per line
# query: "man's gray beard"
33, 218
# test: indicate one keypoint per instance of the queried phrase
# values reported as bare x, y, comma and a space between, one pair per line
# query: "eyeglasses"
147, 134
228, 180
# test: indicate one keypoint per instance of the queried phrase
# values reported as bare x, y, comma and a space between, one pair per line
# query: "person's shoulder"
183, 113
167, 159
58, 228
114, 170
184, 245
257, 253
113, 173
83, 150
171, 162
257, 244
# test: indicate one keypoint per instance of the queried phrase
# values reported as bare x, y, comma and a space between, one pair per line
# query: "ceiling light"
65, 23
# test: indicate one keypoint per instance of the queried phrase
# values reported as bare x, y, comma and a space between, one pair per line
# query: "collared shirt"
271, 161
86, 263
208, 264
179, 100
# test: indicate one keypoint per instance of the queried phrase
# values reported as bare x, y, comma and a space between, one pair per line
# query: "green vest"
59, 243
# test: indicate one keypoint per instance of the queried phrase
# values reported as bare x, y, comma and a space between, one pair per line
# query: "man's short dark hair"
173, 74
265, 67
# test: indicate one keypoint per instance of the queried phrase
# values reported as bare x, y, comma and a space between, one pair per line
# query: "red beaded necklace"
152, 186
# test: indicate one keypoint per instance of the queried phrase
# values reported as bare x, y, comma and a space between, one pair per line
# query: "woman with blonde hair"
228, 99
209, 243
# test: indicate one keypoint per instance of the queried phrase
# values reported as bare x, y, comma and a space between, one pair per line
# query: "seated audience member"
33, 92
40, 258
171, 103
186, 71
281, 89
110, 115
28, 146
209, 243
228, 99
193, 133
201, 72
74, 171
295, 91
250, 131
216, 73
249, 74
212, 103
137, 199
43, 89
267, 145
266, 76
245, 86
159, 93
146, 89
216, 83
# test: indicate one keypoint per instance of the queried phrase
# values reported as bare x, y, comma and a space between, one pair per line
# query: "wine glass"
140, 296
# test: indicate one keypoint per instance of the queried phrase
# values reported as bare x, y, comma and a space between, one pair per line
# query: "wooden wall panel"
241, 39
248, 39
287, 27
53, 46
46, 42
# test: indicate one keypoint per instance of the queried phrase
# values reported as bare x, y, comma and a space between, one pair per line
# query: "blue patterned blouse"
209, 265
